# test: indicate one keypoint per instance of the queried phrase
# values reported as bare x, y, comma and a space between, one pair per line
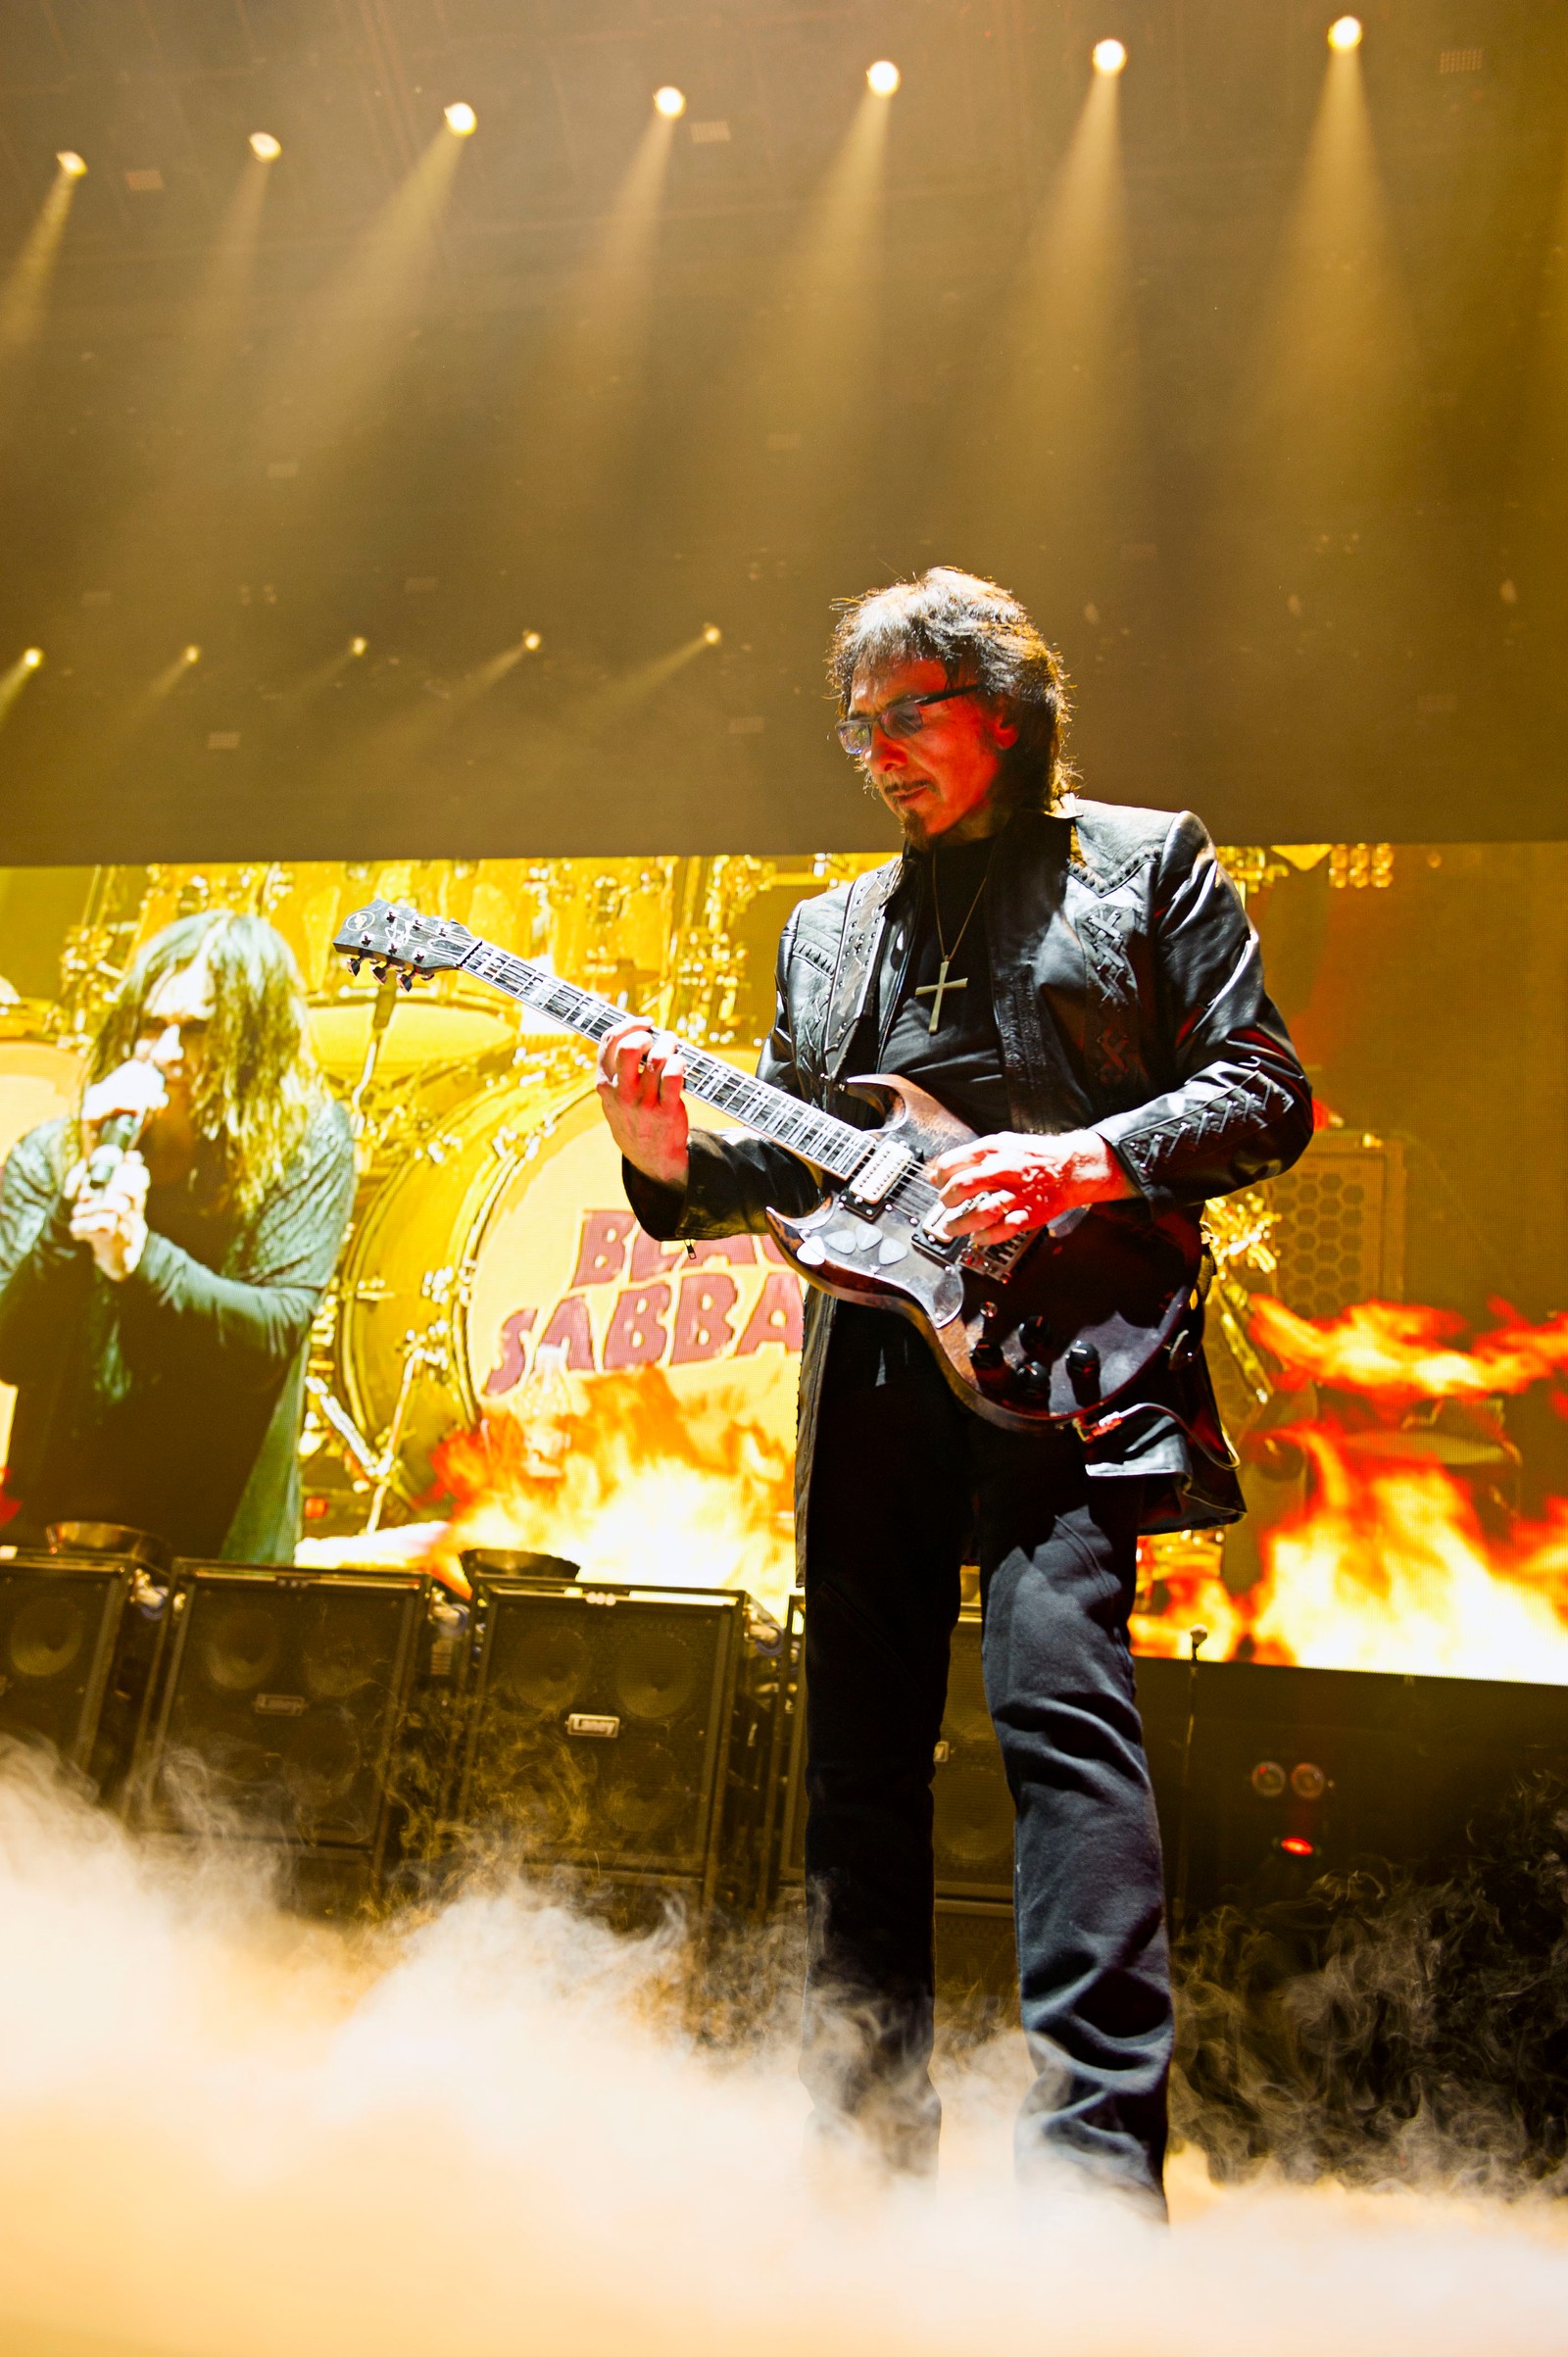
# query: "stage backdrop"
505, 1359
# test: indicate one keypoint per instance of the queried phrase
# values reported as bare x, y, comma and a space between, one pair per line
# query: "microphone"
116, 1138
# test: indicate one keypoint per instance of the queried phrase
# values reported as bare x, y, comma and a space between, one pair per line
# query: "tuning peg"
379, 972
355, 964
407, 981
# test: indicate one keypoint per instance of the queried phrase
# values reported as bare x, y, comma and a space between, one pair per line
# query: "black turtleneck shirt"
959, 1063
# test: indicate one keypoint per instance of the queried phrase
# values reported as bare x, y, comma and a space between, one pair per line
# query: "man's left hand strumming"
999, 1188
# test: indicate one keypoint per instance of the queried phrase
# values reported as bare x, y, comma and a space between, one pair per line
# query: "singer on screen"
162, 1257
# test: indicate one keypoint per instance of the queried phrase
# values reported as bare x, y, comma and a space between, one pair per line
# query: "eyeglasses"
903, 717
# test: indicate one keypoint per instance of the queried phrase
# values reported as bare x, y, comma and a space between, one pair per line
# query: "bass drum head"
505, 1229
423, 1034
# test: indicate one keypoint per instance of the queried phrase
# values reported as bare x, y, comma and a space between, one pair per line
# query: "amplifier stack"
644, 1746
368, 1735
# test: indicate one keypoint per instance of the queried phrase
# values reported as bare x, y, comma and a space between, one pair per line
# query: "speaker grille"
598, 1725
1340, 1232
284, 1698
57, 1640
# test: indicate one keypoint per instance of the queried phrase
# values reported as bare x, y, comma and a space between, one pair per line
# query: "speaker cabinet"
1297, 1772
621, 1732
78, 1642
972, 1833
1290, 1773
284, 1716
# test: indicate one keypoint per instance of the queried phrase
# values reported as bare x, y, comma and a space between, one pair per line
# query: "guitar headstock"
392, 939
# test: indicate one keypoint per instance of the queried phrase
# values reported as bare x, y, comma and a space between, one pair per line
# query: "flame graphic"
630, 1481
1399, 1353
1389, 1565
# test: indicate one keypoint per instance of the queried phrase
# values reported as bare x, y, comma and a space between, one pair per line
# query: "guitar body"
1044, 1333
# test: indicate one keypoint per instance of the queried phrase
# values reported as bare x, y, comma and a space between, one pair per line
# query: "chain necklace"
938, 990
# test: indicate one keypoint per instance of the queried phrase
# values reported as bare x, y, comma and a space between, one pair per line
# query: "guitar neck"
817, 1137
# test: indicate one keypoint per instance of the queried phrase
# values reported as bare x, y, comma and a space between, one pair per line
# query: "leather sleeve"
732, 1179
1236, 1107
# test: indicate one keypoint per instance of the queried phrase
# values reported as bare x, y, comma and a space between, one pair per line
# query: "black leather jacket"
1129, 998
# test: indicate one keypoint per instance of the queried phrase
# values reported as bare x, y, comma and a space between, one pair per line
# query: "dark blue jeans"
907, 1485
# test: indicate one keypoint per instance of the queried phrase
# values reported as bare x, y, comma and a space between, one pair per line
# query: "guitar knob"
1035, 1335
1082, 1362
987, 1349
1033, 1378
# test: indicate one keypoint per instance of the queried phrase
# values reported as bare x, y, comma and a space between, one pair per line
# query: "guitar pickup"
948, 1248
876, 1178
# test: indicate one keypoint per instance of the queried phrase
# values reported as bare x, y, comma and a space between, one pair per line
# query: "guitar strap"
858, 943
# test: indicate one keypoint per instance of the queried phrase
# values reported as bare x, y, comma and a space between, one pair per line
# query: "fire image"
1390, 1561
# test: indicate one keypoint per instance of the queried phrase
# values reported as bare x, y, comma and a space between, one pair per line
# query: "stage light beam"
669, 102
585, 398
883, 77
14, 679
1344, 33
461, 118
191, 655
23, 297
355, 327
1109, 57
265, 148
359, 646
532, 641
711, 635
1065, 436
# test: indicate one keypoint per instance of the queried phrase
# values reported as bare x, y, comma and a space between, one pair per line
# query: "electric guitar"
1047, 1329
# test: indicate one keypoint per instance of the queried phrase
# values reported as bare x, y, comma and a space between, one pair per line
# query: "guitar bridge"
998, 1260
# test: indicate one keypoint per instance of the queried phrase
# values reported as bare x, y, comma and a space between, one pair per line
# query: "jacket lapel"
1035, 953
866, 913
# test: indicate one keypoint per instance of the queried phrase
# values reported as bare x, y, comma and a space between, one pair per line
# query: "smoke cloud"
226, 2133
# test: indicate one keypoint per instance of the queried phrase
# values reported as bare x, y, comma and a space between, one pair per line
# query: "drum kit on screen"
455, 1104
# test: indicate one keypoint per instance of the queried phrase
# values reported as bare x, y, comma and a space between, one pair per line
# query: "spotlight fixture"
265, 148
32, 656
711, 635
883, 77
358, 646
532, 641
193, 654
1345, 32
71, 164
1109, 57
669, 102
461, 118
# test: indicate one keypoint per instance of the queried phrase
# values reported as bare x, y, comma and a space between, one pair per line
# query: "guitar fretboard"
815, 1136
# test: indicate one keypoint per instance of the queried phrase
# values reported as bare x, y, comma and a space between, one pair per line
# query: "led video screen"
496, 1356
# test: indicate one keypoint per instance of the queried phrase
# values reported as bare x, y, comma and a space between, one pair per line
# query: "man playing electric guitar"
1078, 982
